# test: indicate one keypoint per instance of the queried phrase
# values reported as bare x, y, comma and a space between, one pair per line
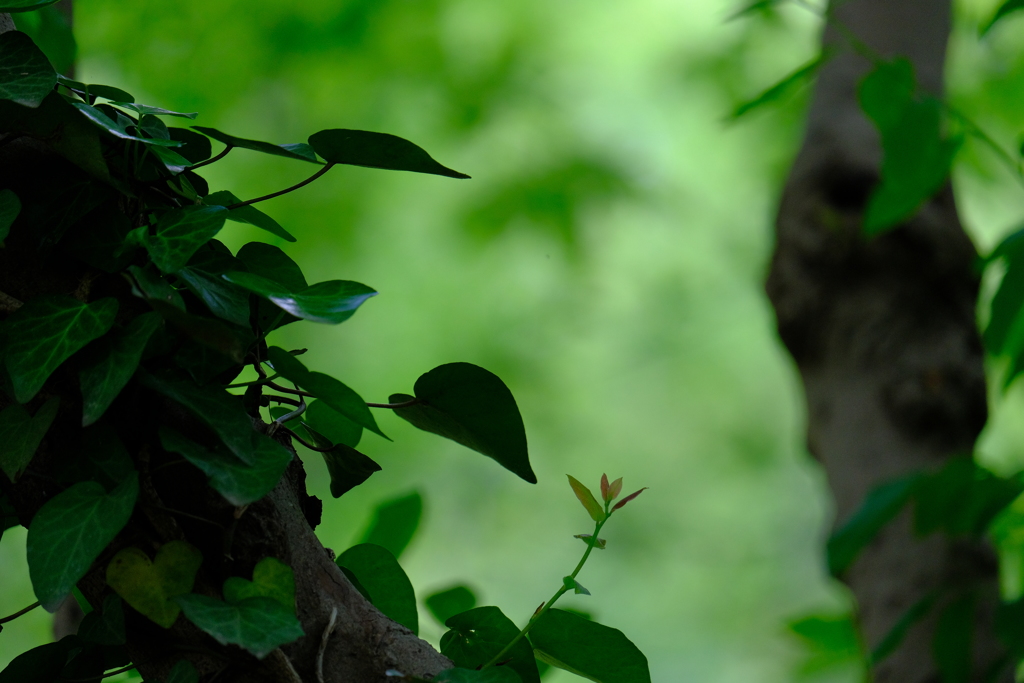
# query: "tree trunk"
883, 332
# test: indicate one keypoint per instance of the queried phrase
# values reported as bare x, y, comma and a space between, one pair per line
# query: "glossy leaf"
478, 635
585, 496
473, 407
332, 424
70, 531
271, 578
44, 333
145, 109
447, 603
260, 625
248, 214
104, 626
12, 6
239, 483
299, 151
588, 649
26, 76
1008, 7
118, 128
148, 585
879, 508
376, 150
496, 674
179, 233
331, 302
21, 434
225, 300
111, 364
271, 263
348, 468
383, 578
395, 522
10, 207
107, 92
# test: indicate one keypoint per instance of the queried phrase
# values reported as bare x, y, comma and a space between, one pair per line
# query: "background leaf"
1008, 7
588, 649
447, 603
394, 523
21, 434
376, 150
383, 578
880, 507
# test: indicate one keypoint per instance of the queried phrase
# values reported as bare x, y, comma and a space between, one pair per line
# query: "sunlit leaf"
383, 578
44, 333
395, 522
299, 151
479, 634
21, 434
376, 150
10, 207
110, 365
331, 302
70, 531
179, 233
260, 625
447, 603
588, 649
148, 585
26, 76
472, 406
247, 214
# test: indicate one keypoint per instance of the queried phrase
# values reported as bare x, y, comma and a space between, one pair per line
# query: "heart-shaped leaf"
496, 674
225, 300
26, 76
333, 425
588, 649
472, 406
44, 332
376, 150
21, 434
247, 214
478, 635
326, 388
348, 468
383, 578
147, 110
104, 626
148, 585
260, 625
394, 523
179, 233
239, 483
10, 207
447, 603
110, 365
331, 302
70, 531
299, 151
271, 578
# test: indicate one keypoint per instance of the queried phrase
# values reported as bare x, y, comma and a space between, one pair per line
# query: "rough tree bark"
883, 332
362, 646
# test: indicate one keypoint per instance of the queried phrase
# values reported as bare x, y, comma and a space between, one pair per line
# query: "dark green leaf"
26, 76
297, 151
478, 635
447, 603
273, 264
951, 642
1009, 625
240, 484
327, 389
380, 574
44, 333
70, 531
183, 672
331, 302
802, 74
41, 664
104, 626
961, 498
271, 578
110, 365
212, 333
395, 522
149, 284
149, 585
171, 160
497, 674
354, 580
376, 150
588, 649
472, 406
10, 207
145, 109
98, 237
332, 424
879, 508
205, 364
107, 92
1008, 7
100, 456
831, 641
348, 468
21, 434
260, 625
179, 233
248, 214
225, 300
12, 6
50, 29
194, 147
118, 128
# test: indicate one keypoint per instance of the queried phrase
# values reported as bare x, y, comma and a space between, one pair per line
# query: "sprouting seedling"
600, 514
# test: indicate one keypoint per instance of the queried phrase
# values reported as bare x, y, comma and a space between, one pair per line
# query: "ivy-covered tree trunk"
883, 332
174, 501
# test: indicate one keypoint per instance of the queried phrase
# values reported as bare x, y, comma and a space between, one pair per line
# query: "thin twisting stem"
19, 613
212, 159
265, 197
306, 443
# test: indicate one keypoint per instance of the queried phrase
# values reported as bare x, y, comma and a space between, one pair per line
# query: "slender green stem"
393, 406
212, 159
19, 613
294, 187
559, 593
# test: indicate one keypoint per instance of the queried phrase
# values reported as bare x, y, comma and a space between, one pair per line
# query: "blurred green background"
605, 260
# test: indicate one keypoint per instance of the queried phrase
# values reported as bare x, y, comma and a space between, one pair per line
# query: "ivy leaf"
41, 664
148, 283
179, 233
447, 603
148, 585
206, 331
146, 110
880, 507
104, 626
394, 523
473, 407
383, 578
194, 147
376, 150
183, 672
348, 468
21, 434
326, 388
118, 128
478, 635
107, 92
271, 578
11, 6
26, 76
273, 264
226, 301
240, 484
70, 531
331, 302
260, 625
593, 508
588, 649
497, 674
297, 151
10, 207
111, 364
248, 214
44, 333
332, 424
1008, 7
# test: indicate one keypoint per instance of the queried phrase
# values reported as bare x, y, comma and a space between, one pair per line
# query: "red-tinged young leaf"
604, 487
593, 508
628, 498
614, 490
589, 539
